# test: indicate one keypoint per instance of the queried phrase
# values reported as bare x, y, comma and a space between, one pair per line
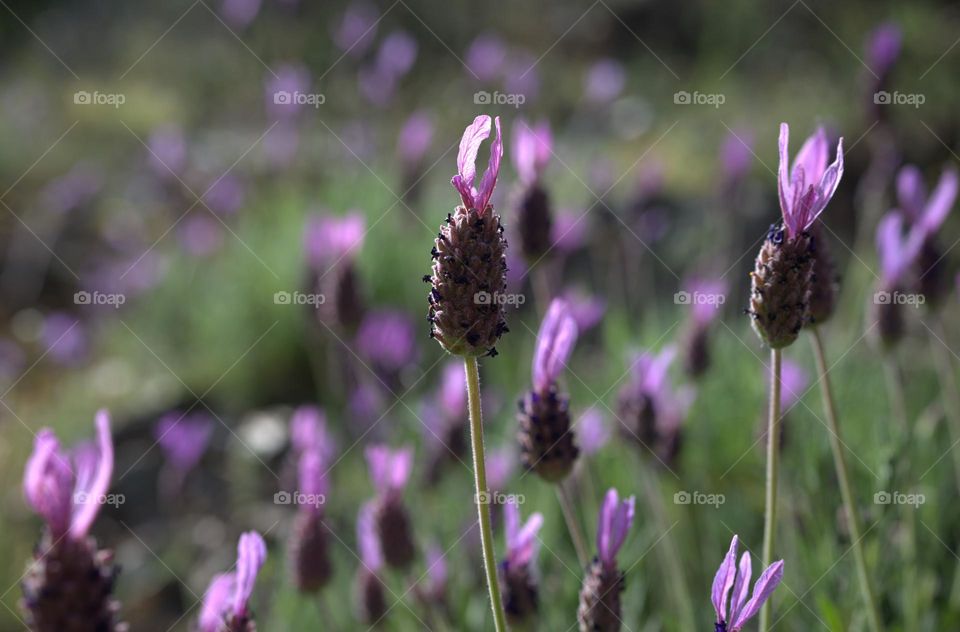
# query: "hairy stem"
773, 473
846, 493
482, 494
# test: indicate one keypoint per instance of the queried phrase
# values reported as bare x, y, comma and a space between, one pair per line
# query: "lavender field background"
165, 172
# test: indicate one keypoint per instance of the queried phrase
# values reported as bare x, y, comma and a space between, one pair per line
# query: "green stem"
573, 526
482, 493
846, 493
773, 473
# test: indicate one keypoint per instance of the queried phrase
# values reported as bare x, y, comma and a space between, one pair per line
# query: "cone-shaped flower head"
517, 578
546, 438
469, 274
706, 297
66, 488
599, 609
531, 150
226, 602
532, 147
331, 244
730, 576
390, 470
371, 596
807, 186
308, 546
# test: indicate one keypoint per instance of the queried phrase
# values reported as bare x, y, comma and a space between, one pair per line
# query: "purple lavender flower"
555, 340
927, 212
516, 573
415, 138
520, 75
604, 81
707, 296
281, 143
437, 576
568, 231
368, 543
357, 29
168, 151
793, 384
896, 250
501, 464
883, 48
226, 602
200, 235
532, 148
379, 87
226, 196
473, 137
71, 190
390, 471
65, 488
804, 193
600, 595
184, 437
371, 597
308, 431
387, 338
593, 431
485, 57
452, 399
397, 54
64, 339
280, 88
736, 156
587, 310
728, 577
328, 239
239, 13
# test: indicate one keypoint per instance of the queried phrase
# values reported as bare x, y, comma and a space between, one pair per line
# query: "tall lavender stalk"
466, 316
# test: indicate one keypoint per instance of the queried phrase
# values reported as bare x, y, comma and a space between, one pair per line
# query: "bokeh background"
180, 184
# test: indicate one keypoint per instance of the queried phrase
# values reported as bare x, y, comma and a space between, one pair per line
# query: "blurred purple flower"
437, 573
592, 431
357, 29
12, 359
64, 338
308, 431
389, 469
226, 195
810, 184
200, 234
501, 463
521, 539
312, 478
927, 213
397, 54
883, 48
516, 271
569, 230
167, 151
328, 238
729, 577
521, 76
368, 541
532, 147
415, 138
586, 310
555, 340
485, 57
184, 438
365, 403
280, 88
281, 143
793, 383
897, 252
613, 525
651, 378
706, 297
226, 601
452, 397
239, 13
66, 488
71, 190
473, 137
604, 81
387, 338
736, 156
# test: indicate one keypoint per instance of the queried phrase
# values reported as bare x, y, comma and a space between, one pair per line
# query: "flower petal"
911, 192
741, 586
493, 171
723, 581
251, 554
940, 202
94, 477
783, 178
555, 341
813, 156
473, 136
762, 590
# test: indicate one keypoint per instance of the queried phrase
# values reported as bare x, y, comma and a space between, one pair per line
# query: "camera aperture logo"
114, 300
496, 298
715, 99
299, 498
899, 498
298, 298
699, 298
113, 99
899, 98
699, 498
482, 97
313, 99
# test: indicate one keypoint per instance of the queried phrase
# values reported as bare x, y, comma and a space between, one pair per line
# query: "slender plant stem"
573, 525
898, 405
846, 493
482, 494
773, 473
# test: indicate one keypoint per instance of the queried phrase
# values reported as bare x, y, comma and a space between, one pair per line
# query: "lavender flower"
706, 298
397, 54
328, 239
784, 269
501, 463
434, 589
546, 438
469, 268
331, 244
280, 88
239, 13
883, 48
604, 81
357, 29
446, 420
586, 310
599, 609
793, 384
518, 582
415, 139
200, 235
226, 602
71, 190
309, 555
736, 157
532, 148
728, 577
183, 437
569, 230
308, 431
226, 196
386, 338
593, 431
390, 471
897, 253
371, 598
70, 581
485, 57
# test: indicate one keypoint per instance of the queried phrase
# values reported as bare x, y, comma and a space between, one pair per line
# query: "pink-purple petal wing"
723, 581
768, 581
941, 202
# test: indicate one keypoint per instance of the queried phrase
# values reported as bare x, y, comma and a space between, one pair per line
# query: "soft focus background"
145, 157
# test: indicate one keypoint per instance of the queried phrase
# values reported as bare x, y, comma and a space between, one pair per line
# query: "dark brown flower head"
932, 280
599, 609
547, 443
395, 531
371, 597
824, 282
780, 288
887, 313
69, 586
534, 222
310, 552
520, 594
469, 276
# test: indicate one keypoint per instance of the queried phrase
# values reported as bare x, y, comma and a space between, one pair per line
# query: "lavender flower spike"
226, 602
546, 439
390, 470
810, 184
371, 596
730, 576
517, 581
532, 147
599, 609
